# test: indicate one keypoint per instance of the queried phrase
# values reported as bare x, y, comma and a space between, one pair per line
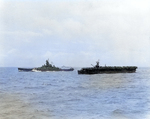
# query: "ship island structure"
107, 69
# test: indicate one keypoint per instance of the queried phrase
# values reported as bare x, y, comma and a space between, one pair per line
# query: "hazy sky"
74, 32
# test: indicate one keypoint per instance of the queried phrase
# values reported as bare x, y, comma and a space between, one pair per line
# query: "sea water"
67, 95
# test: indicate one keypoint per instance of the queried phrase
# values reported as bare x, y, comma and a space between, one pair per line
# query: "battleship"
46, 67
107, 69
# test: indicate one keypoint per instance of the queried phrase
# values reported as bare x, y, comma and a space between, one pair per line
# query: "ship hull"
25, 69
34, 69
101, 70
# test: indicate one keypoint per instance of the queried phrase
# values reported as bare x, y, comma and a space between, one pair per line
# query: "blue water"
67, 95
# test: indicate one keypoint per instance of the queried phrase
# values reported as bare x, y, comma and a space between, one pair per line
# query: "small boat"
25, 69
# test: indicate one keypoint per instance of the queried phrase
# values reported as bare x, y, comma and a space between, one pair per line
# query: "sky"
74, 33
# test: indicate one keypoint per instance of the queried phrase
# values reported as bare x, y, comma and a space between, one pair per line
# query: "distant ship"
107, 69
63, 68
46, 67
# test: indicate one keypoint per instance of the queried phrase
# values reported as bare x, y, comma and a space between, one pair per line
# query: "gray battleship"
46, 67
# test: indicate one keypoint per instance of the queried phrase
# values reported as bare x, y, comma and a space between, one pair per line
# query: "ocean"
67, 95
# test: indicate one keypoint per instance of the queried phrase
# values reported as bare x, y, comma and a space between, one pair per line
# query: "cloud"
115, 31
77, 18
